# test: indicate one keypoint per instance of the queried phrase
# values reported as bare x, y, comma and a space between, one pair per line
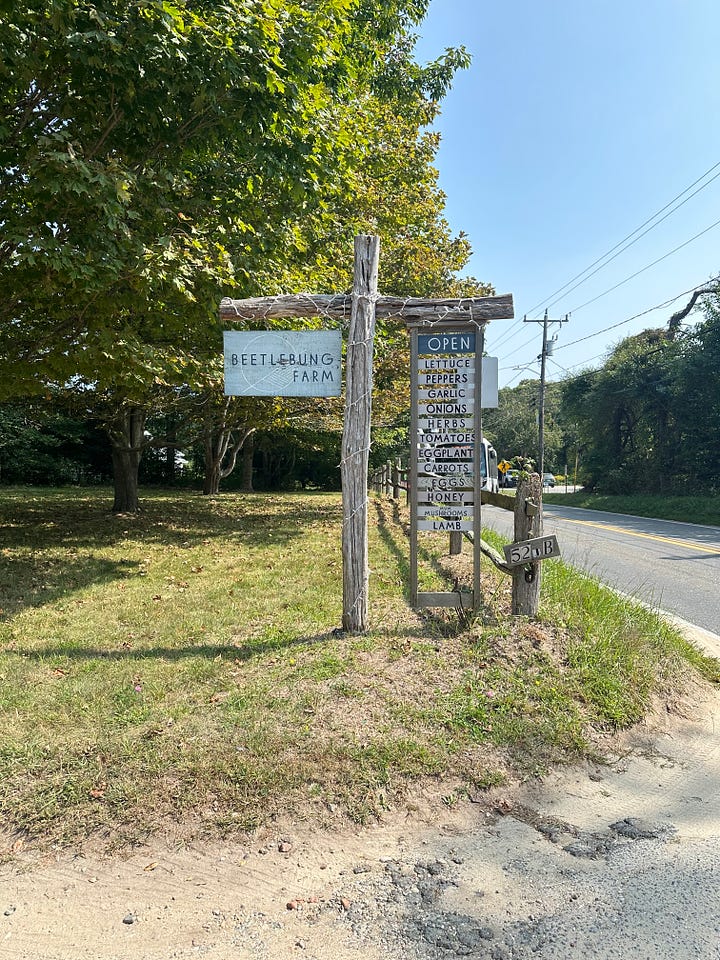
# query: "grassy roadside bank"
690, 509
181, 670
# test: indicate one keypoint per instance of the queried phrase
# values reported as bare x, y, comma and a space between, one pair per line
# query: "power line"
583, 363
606, 329
508, 334
515, 328
618, 390
518, 349
630, 236
620, 323
560, 367
646, 267
627, 246
510, 381
642, 313
527, 342
525, 366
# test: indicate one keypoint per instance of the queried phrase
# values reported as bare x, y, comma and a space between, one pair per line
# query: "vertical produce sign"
446, 447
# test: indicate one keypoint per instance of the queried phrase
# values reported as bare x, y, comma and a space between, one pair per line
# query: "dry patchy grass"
183, 669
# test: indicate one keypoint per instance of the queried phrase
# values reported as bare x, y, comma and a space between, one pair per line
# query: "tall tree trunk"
127, 439
211, 481
214, 452
248, 454
219, 444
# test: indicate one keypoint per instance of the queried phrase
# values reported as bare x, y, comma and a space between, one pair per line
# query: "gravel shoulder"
611, 859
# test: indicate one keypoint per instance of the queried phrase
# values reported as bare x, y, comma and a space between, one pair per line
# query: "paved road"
674, 566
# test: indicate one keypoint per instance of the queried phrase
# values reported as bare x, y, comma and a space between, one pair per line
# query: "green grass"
690, 509
183, 669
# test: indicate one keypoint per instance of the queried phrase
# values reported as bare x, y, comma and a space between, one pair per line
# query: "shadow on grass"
210, 651
401, 554
179, 520
49, 538
400, 551
34, 582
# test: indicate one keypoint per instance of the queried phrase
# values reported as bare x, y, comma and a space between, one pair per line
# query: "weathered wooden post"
528, 524
396, 479
356, 434
456, 539
362, 306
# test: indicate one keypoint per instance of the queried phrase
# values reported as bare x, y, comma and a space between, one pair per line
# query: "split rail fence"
390, 479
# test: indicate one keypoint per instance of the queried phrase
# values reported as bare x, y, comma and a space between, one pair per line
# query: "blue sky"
577, 121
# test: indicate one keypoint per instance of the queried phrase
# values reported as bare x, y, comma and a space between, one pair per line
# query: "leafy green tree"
513, 426
158, 155
626, 418
695, 402
43, 445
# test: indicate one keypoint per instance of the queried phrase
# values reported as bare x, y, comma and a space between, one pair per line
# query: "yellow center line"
688, 544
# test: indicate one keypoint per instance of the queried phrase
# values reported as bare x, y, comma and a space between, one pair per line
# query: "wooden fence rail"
390, 479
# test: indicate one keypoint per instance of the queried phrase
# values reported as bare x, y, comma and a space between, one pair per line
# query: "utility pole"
547, 346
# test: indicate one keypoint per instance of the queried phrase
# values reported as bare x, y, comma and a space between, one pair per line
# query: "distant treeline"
647, 420
41, 446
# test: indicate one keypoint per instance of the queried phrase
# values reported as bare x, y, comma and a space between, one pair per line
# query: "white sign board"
445, 525
283, 363
453, 378
489, 393
449, 388
426, 497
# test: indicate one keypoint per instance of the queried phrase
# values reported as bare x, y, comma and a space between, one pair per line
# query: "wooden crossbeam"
339, 307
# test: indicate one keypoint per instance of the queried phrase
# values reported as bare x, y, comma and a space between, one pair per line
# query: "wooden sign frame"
463, 599
361, 308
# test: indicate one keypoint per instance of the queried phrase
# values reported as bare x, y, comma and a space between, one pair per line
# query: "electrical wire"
630, 244
515, 328
629, 237
565, 369
647, 267
590, 336
509, 334
518, 349
615, 287
510, 381
583, 363
642, 313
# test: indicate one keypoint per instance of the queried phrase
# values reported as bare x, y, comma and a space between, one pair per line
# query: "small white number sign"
530, 551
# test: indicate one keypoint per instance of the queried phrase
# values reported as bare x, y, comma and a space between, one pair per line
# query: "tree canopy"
156, 156
513, 426
648, 419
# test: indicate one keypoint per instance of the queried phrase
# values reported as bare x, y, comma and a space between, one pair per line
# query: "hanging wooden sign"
454, 316
283, 363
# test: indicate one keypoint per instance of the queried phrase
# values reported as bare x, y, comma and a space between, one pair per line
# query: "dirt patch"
601, 859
